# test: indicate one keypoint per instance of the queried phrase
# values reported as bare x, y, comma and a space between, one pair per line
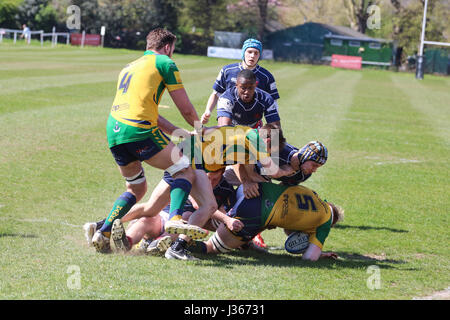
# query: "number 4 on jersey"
125, 82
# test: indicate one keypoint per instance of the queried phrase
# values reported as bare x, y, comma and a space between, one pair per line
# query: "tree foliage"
194, 21
8, 12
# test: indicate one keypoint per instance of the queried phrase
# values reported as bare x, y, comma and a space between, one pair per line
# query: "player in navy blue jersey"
245, 104
251, 54
305, 161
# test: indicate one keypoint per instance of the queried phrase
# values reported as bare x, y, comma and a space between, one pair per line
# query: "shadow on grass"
346, 260
364, 228
21, 235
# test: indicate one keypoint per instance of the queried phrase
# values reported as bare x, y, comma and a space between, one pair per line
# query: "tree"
8, 12
28, 10
253, 15
205, 15
357, 14
46, 18
407, 23
295, 12
90, 15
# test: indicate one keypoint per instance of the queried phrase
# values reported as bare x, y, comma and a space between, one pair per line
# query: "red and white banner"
347, 62
89, 39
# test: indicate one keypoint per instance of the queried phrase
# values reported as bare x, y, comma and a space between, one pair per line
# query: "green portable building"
316, 42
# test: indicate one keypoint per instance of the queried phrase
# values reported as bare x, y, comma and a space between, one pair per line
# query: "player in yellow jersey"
134, 132
234, 145
294, 208
211, 151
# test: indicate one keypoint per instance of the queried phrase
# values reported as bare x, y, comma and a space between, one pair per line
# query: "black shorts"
139, 150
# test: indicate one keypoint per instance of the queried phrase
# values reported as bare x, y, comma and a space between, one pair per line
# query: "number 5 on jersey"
125, 82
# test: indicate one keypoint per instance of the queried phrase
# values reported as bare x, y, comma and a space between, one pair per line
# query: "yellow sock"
176, 217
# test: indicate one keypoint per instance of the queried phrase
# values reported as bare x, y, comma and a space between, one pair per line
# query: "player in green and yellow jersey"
294, 208
212, 151
134, 132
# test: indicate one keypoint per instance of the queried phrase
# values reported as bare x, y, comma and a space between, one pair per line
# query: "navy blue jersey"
225, 194
247, 114
228, 74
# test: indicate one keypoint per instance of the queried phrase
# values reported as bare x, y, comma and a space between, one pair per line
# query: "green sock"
120, 208
179, 193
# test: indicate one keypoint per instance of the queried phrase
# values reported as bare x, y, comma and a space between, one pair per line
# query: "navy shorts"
249, 212
139, 150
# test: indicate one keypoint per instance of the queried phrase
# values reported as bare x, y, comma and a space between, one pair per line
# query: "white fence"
41, 34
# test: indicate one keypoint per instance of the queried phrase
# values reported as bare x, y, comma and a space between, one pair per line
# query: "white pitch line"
398, 161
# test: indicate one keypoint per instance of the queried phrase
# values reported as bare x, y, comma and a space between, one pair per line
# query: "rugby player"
245, 104
134, 134
251, 54
294, 208
304, 162
216, 148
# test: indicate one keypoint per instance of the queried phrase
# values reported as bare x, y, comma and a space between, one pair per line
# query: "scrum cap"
314, 151
251, 43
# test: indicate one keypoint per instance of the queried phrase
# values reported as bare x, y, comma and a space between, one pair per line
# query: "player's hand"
329, 255
251, 190
205, 117
234, 225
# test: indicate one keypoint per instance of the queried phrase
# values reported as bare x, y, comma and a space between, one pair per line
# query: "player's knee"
182, 168
137, 185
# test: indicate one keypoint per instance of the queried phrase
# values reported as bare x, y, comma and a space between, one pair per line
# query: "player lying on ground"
152, 229
294, 208
304, 162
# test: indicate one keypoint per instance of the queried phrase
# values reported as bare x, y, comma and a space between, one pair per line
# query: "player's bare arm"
210, 105
187, 110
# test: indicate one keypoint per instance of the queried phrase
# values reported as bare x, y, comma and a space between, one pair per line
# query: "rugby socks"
120, 208
99, 224
179, 192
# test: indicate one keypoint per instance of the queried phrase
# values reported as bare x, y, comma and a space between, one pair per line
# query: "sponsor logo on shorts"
116, 128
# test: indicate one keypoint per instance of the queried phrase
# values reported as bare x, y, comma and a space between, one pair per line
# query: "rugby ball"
297, 242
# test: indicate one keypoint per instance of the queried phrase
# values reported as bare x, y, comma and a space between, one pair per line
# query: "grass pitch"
388, 138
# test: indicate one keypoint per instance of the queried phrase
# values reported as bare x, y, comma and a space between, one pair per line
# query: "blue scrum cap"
251, 43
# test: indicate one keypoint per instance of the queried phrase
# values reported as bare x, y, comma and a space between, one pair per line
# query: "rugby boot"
159, 245
101, 242
119, 237
180, 227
